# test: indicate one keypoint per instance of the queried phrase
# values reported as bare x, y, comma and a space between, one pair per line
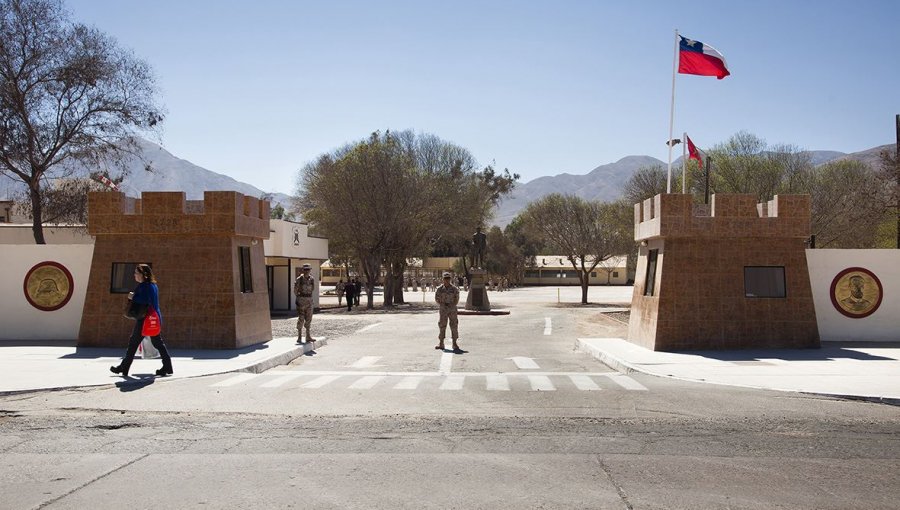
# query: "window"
615, 274
764, 282
532, 274
122, 279
593, 274
246, 273
650, 282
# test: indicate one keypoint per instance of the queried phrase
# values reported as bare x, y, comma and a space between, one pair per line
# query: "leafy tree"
888, 176
585, 232
69, 94
395, 196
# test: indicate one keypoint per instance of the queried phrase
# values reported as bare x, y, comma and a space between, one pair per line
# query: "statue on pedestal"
479, 243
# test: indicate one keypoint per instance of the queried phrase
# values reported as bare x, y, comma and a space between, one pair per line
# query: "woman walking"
146, 293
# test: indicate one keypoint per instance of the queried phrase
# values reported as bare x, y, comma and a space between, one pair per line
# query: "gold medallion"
48, 286
856, 292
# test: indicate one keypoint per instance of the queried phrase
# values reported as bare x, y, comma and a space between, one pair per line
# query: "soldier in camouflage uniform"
304, 286
447, 297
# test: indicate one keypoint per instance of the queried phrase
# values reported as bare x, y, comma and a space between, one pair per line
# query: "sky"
256, 90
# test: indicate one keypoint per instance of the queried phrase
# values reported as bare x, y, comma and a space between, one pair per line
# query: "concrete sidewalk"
869, 371
30, 367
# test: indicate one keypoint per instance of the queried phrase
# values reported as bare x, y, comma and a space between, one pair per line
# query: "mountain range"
605, 182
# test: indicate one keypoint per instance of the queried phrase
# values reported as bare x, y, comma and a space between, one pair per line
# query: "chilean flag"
694, 57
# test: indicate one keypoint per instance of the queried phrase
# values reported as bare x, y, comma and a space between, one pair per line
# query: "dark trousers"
135, 341
349, 301
356, 297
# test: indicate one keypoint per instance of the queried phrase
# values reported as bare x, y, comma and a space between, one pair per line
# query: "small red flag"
693, 152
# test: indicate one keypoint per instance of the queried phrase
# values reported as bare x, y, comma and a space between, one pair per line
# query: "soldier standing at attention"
304, 286
447, 297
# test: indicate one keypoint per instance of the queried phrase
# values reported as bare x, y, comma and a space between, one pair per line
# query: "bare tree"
646, 182
587, 233
69, 93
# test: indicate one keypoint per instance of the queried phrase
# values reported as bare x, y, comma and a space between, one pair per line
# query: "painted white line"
497, 383
453, 382
367, 328
318, 382
627, 382
366, 362
524, 363
409, 383
584, 382
231, 381
278, 381
446, 363
540, 383
548, 326
367, 382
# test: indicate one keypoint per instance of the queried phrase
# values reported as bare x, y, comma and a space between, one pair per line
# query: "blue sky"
257, 89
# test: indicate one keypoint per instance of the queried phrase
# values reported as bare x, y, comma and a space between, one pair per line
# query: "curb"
282, 359
628, 368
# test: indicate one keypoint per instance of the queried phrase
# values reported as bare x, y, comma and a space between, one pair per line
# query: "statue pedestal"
478, 296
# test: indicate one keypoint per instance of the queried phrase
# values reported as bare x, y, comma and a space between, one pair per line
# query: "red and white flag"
694, 57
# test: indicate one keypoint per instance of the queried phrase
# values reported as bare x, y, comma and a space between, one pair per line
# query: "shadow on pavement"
135, 382
828, 352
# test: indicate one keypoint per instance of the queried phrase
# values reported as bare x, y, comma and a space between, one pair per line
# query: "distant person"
350, 289
447, 297
304, 286
339, 290
359, 288
146, 293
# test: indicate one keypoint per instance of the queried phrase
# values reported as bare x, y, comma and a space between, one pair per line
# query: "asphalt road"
380, 419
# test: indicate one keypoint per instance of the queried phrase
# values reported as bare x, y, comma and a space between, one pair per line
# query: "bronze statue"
479, 243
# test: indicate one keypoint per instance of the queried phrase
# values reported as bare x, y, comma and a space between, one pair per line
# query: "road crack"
104, 475
619, 489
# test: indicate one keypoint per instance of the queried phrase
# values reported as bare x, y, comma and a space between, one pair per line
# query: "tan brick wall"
699, 301
193, 248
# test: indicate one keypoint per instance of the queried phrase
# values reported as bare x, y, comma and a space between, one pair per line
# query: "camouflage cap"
306, 266
447, 275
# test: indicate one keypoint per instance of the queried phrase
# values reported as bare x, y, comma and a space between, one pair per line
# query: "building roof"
561, 261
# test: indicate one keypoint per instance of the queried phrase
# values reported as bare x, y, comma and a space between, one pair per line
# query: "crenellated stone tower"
733, 278
207, 255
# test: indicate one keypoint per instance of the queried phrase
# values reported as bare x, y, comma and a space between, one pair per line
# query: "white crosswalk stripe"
497, 383
409, 383
584, 383
453, 382
489, 381
627, 382
232, 381
318, 382
540, 383
366, 382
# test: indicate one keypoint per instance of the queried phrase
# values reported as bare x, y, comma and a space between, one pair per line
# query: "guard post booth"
288, 247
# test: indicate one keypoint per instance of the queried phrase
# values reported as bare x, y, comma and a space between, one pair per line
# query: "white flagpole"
684, 149
672, 114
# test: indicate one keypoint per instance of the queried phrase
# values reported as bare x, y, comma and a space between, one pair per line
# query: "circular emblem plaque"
856, 292
48, 286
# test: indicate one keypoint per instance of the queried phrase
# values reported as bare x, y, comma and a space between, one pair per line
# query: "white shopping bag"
146, 349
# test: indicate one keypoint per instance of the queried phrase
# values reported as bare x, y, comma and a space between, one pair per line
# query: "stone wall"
193, 247
699, 298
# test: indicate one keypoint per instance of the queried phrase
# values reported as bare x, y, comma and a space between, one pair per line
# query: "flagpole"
684, 148
672, 114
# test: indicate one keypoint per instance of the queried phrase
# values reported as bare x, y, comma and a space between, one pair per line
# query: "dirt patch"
594, 324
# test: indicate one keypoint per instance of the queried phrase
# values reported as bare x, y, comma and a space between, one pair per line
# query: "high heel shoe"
118, 370
164, 371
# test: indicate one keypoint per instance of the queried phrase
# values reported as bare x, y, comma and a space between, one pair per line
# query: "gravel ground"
322, 326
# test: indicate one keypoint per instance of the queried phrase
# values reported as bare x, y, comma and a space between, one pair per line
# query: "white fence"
883, 324
20, 319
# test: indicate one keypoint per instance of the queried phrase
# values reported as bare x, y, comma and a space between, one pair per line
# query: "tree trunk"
398, 268
370, 267
389, 289
584, 288
36, 213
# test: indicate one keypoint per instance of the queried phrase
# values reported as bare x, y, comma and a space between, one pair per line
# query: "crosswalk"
441, 381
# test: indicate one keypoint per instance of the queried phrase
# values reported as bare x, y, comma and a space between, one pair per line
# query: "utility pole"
706, 188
